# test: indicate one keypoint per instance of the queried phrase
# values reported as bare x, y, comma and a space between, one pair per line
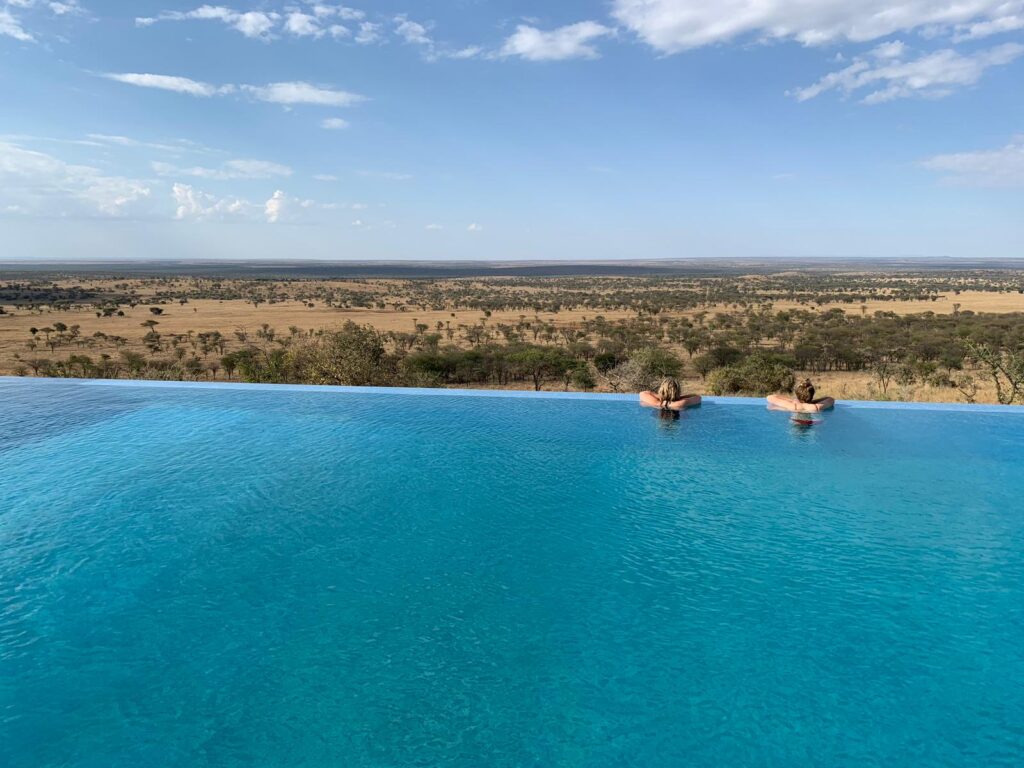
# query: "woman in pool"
802, 400
669, 397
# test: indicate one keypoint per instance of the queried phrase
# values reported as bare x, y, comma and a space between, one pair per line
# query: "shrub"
759, 374
605, 361
582, 378
644, 370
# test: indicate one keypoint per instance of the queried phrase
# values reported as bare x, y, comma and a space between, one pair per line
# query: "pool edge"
499, 393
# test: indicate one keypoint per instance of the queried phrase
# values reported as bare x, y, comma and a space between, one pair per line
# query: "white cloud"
671, 26
275, 207
326, 10
168, 83
469, 52
302, 93
1010, 23
325, 177
190, 203
44, 185
416, 34
256, 169
252, 24
894, 49
334, 124
369, 33
569, 42
181, 145
412, 32
283, 207
68, 8
280, 207
232, 169
988, 168
434, 227
11, 27
289, 94
886, 76
303, 25
474, 227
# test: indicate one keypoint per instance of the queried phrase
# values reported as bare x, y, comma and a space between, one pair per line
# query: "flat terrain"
111, 315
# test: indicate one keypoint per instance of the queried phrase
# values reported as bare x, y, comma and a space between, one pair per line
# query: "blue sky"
480, 129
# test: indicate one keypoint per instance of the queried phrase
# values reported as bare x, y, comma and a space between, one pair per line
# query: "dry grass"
229, 316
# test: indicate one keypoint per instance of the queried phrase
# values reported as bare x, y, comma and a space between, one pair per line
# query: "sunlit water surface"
224, 577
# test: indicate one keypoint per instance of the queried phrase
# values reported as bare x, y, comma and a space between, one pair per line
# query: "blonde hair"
669, 391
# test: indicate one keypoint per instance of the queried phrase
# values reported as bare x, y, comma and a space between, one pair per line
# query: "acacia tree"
541, 363
1003, 366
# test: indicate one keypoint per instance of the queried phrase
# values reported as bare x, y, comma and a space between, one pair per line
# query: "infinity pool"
246, 576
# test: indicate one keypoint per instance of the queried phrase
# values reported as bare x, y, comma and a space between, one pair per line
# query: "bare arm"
686, 401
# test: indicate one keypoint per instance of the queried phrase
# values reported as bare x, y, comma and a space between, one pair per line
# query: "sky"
491, 129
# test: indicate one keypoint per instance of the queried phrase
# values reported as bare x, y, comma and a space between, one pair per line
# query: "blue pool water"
203, 576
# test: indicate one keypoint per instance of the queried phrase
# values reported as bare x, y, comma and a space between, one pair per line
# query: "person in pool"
669, 397
802, 400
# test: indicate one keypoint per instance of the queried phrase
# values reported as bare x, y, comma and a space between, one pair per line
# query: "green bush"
759, 374
582, 378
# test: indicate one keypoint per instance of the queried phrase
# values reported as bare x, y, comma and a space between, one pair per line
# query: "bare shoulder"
650, 399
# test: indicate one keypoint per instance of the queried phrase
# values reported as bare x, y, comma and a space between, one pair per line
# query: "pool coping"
500, 393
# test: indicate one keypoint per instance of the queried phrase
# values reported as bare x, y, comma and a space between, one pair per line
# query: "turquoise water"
249, 577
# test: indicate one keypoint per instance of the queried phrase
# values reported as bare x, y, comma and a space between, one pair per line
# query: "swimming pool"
250, 576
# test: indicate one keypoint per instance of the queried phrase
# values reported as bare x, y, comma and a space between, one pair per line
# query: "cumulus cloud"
315, 21
252, 24
412, 32
41, 184
987, 168
416, 34
232, 169
274, 208
570, 42
671, 26
886, 75
369, 33
303, 25
191, 203
283, 207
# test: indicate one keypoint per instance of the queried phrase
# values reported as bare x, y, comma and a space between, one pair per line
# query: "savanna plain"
917, 333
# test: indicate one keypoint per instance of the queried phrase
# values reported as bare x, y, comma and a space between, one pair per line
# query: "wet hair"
669, 391
805, 391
